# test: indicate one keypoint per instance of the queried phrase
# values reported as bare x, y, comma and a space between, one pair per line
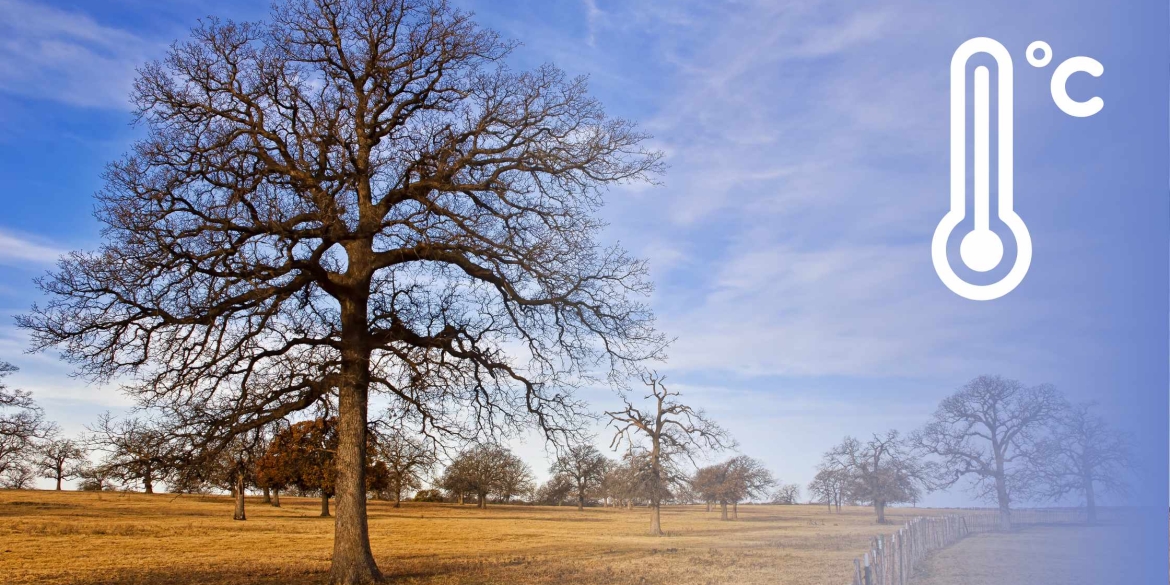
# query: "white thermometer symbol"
981, 249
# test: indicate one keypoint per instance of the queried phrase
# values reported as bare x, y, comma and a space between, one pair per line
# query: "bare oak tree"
787, 494
22, 422
357, 196
1080, 454
881, 471
136, 450
731, 482
60, 459
985, 432
670, 432
584, 466
829, 486
486, 470
408, 460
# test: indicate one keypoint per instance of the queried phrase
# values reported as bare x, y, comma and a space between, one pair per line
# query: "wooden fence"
892, 559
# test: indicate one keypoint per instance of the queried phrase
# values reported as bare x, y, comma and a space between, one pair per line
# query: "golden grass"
90, 538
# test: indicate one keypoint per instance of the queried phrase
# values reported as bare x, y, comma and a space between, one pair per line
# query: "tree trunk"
267, 496
829, 502
735, 510
481, 500
1090, 501
655, 518
58, 483
148, 484
353, 562
276, 498
708, 506
880, 507
460, 498
1005, 512
398, 498
239, 514
324, 505
723, 510
580, 501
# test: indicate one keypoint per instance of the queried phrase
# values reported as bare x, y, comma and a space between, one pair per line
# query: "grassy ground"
1068, 555
87, 538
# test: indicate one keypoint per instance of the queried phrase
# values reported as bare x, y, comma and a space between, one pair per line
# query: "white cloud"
53, 54
22, 249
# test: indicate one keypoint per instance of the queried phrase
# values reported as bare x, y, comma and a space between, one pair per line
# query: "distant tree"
748, 479
515, 479
555, 491
1080, 454
707, 482
20, 476
881, 471
829, 486
407, 459
787, 494
95, 478
236, 466
60, 459
624, 481
735, 480
429, 496
136, 451
584, 466
302, 455
674, 432
486, 470
22, 423
985, 432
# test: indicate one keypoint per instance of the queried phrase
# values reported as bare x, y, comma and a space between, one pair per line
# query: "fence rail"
892, 560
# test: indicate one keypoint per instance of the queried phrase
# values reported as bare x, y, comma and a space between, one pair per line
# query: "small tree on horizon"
407, 459
137, 451
881, 471
584, 466
22, 423
60, 459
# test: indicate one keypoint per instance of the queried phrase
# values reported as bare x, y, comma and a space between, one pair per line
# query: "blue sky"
789, 239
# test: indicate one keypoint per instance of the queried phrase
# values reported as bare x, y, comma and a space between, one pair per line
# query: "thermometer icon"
981, 249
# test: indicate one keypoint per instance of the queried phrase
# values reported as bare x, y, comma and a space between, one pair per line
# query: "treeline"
659, 441
1008, 442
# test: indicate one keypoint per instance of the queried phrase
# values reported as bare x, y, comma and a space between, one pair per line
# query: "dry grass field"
1034, 556
90, 538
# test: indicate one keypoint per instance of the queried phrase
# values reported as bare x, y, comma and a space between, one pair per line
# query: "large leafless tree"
985, 432
357, 196
670, 433
1080, 454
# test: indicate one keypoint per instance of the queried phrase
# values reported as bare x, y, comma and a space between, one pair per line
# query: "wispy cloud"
22, 249
68, 57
